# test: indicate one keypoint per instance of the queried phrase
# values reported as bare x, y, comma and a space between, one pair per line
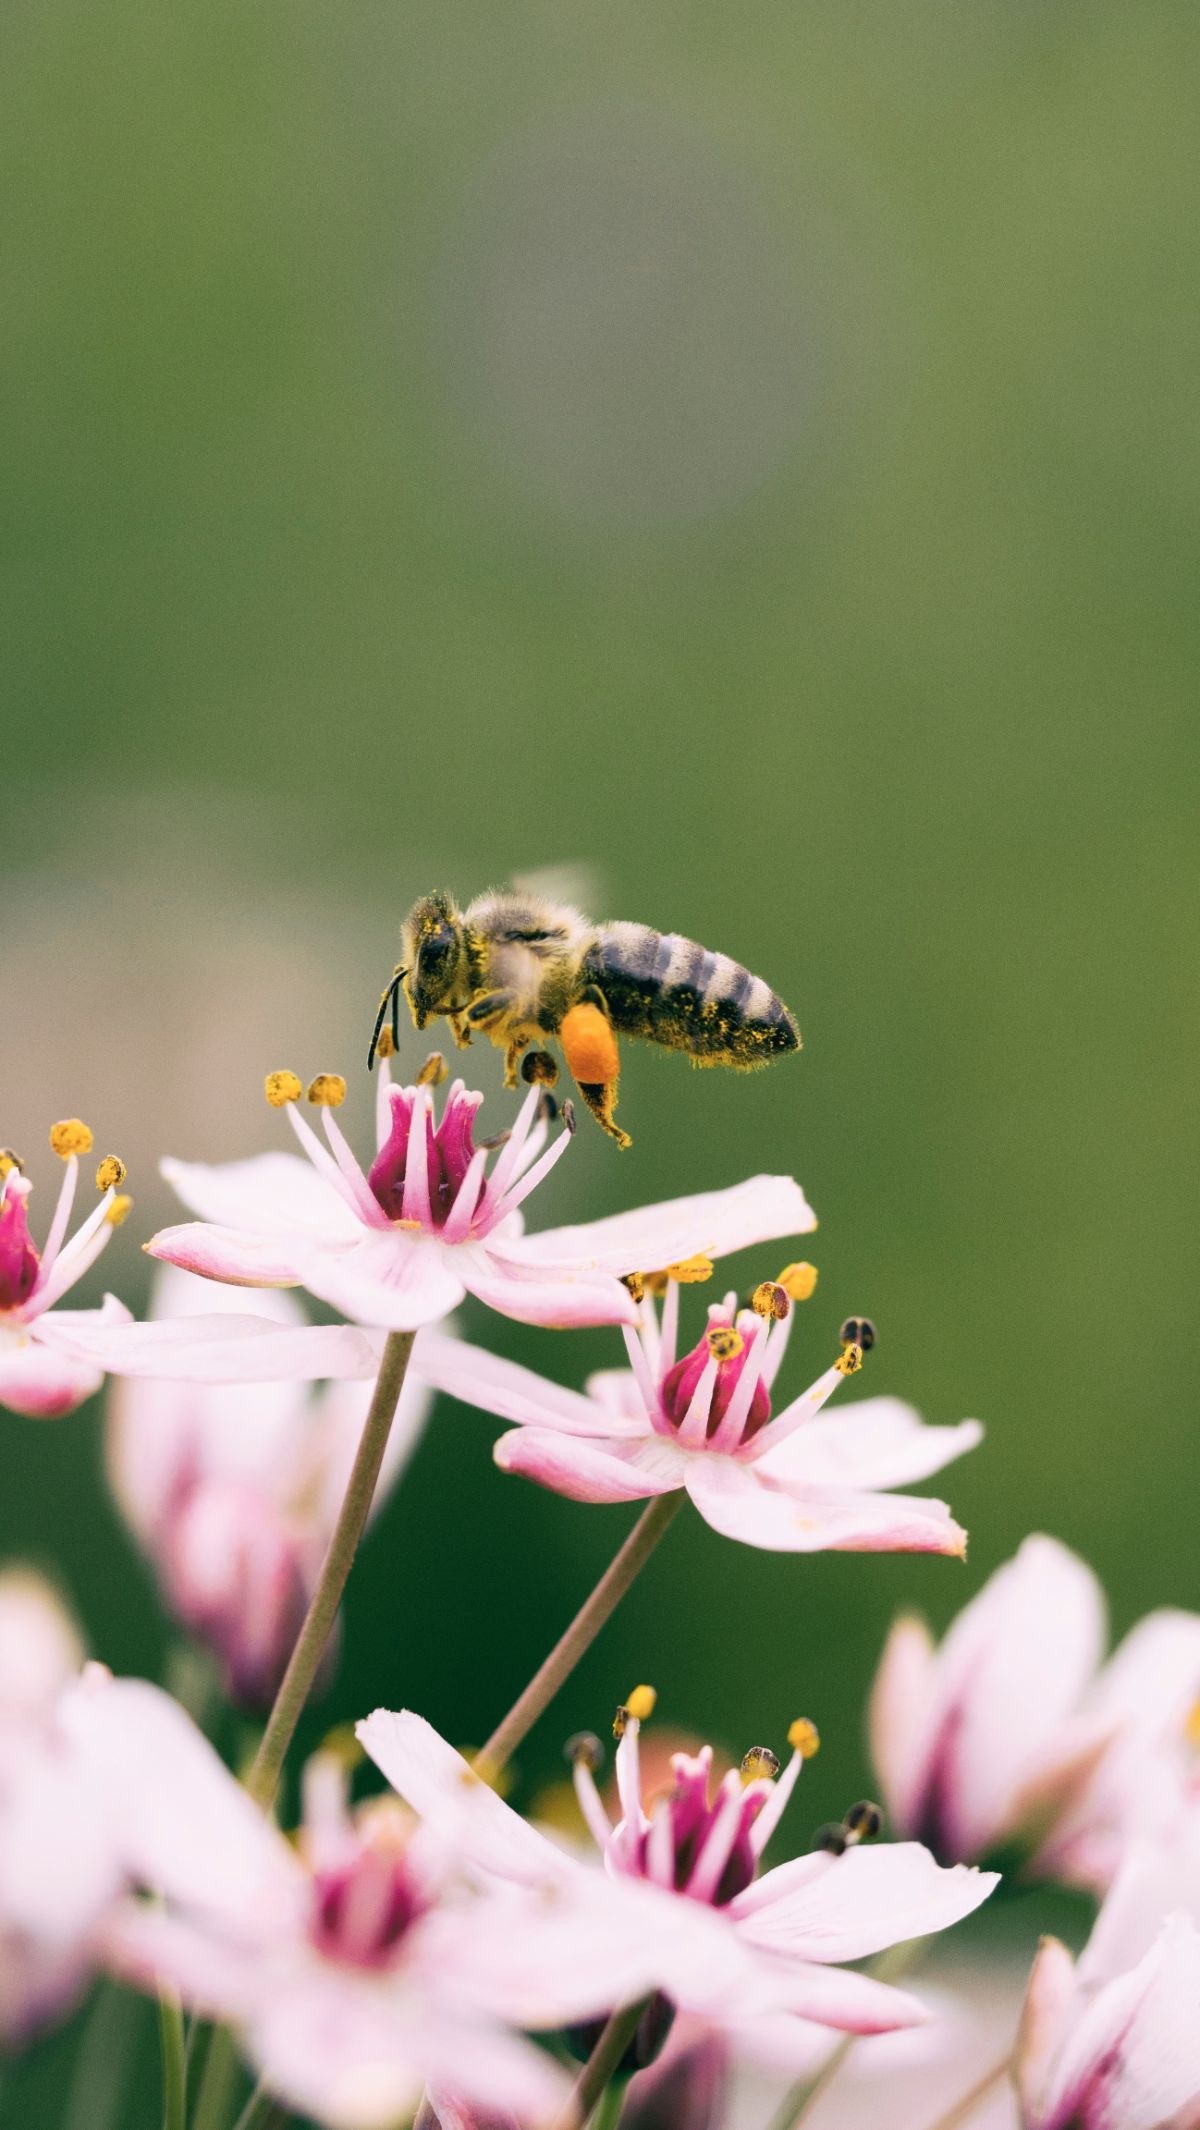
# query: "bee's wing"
581, 886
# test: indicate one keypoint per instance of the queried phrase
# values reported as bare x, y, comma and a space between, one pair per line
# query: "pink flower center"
19, 1261
449, 1150
362, 1910
693, 1820
730, 1351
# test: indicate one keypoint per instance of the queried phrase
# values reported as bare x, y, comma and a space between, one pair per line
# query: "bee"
521, 968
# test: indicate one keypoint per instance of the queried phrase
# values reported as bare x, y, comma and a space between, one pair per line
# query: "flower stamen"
110, 1173
281, 1088
70, 1136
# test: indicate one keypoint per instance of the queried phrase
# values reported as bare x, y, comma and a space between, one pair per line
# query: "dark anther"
858, 1331
539, 1066
584, 1749
864, 1820
620, 1719
568, 1115
497, 1139
635, 1285
760, 1764
547, 1108
831, 1837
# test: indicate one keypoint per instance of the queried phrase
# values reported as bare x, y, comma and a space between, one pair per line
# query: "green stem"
101, 2069
263, 1779
601, 2066
261, 2112
174, 2058
654, 1520
217, 2086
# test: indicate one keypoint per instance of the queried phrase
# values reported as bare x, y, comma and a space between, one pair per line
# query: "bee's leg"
517, 1044
488, 1010
460, 1031
590, 1049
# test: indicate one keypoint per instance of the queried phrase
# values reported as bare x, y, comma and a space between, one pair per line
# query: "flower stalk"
263, 1779
571, 1646
602, 2064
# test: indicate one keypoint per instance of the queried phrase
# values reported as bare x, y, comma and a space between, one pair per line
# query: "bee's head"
435, 951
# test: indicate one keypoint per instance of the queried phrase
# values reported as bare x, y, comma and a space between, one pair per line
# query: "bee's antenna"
391, 997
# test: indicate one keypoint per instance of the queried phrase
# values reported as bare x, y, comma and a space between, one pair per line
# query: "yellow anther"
481, 1769
635, 1284
433, 1071
1191, 1728
281, 1088
110, 1173
655, 1282
769, 1299
341, 1744
640, 1703
804, 1738
10, 1161
385, 1044
69, 1137
799, 1281
119, 1210
691, 1270
849, 1361
724, 1343
760, 1764
327, 1091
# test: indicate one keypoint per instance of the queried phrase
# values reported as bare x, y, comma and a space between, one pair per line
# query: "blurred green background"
754, 454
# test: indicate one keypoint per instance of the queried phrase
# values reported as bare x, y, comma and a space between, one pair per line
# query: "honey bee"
520, 968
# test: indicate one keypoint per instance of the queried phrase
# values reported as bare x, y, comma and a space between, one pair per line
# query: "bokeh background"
753, 454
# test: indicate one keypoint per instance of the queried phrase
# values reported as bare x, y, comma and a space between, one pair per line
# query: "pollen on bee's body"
280, 1088
327, 1091
70, 1136
110, 1173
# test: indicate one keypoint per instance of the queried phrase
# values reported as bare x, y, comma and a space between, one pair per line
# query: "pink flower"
97, 1776
1008, 1732
1113, 2042
754, 1957
350, 1964
233, 1492
42, 1375
399, 1245
789, 1482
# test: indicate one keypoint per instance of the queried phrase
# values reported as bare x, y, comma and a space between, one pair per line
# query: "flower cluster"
427, 1954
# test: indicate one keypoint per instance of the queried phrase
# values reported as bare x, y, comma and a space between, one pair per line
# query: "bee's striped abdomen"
669, 990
